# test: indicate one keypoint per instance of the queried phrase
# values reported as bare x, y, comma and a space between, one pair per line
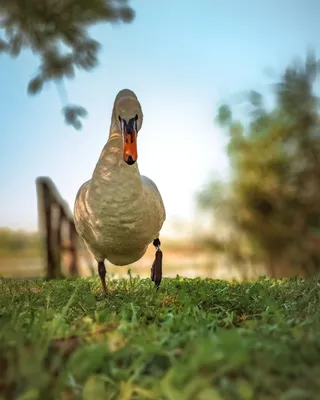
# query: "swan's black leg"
156, 269
102, 273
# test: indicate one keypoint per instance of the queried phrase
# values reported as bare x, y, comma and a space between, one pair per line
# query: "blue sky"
181, 58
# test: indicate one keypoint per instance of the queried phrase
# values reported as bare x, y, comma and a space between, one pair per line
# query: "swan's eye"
136, 117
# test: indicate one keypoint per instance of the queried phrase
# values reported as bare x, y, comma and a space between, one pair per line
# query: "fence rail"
57, 229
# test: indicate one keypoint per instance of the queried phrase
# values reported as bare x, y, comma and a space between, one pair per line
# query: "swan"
119, 212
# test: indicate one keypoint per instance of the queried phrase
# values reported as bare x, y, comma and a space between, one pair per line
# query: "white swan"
119, 212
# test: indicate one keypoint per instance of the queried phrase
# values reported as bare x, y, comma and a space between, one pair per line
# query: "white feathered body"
119, 212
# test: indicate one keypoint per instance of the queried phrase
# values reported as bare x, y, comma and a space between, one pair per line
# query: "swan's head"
128, 115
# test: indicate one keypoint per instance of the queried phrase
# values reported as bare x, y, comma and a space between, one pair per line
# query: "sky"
182, 58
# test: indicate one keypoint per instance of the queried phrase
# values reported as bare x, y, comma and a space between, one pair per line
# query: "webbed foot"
156, 269
102, 273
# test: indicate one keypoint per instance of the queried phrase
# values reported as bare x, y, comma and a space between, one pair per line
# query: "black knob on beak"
130, 160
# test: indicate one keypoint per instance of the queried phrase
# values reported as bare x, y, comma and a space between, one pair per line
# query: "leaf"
15, 45
224, 116
127, 14
72, 115
85, 55
56, 65
255, 98
35, 85
3, 46
311, 65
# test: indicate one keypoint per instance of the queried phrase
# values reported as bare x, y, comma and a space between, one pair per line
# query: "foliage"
19, 243
193, 339
274, 192
57, 31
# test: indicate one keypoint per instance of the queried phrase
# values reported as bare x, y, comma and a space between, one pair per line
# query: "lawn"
193, 339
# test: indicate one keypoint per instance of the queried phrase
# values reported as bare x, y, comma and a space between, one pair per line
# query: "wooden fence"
57, 229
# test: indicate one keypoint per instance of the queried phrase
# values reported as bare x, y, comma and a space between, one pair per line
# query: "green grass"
193, 339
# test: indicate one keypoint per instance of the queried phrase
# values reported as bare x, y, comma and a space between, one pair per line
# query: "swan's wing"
155, 201
81, 213
83, 219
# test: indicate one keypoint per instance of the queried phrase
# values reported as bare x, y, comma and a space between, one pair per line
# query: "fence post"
53, 212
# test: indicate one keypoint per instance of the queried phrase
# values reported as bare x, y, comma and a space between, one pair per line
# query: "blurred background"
233, 84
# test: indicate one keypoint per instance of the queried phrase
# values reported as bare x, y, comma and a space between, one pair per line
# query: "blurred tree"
58, 32
273, 196
18, 243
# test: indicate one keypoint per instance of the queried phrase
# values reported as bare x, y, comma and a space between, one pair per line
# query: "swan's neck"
111, 169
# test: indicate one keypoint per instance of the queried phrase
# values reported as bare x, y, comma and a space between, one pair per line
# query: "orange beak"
130, 152
129, 133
